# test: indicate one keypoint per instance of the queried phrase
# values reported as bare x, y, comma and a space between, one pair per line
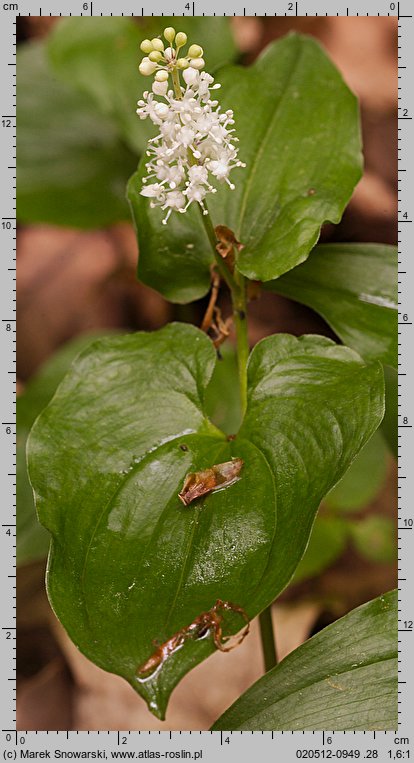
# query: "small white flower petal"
159, 88
161, 110
169, 54
153, 191
191, 76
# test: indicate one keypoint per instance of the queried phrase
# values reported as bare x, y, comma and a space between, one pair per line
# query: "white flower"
198, 174
154, 190
155, 110
190, 76
195, 144
176, 199
159, 88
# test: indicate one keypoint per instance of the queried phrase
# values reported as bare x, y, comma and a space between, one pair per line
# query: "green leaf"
284, 373
32, 540
100, 56
222, 399
71, 165
389, 425
354, 288
374, 538
298, 127
344, 678
364, 478
174, 259
326, 544
130, 564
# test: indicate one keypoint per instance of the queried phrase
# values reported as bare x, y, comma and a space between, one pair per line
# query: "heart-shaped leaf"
100, 56
298, 127
364, 478
130, 565
32, 540
71, 164
354, 287
288, 379
344, 678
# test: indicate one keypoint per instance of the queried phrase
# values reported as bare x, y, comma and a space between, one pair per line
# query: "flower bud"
159, 88
161, 75
147, 67
169, 33
157, 44
181, 39
146, 46
182, 63
169, 54
155, 56
162, 110
194, 51
190, 76
197, 63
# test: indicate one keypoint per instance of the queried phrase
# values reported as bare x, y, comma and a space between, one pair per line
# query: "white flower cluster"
195, 144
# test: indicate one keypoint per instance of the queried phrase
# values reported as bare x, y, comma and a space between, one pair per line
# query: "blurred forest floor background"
73, 282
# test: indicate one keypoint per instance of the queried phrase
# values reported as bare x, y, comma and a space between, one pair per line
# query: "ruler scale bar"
216, 746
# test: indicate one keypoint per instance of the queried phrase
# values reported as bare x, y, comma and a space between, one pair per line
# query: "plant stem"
237, 286
242, 341
221, 267
176, 84
268, 639
236, 283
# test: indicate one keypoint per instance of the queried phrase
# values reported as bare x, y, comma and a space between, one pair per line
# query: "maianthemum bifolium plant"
169, 535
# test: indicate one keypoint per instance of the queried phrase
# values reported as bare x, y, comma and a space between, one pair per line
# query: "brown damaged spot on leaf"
227, 241
334, 685
217, 477
210, 622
